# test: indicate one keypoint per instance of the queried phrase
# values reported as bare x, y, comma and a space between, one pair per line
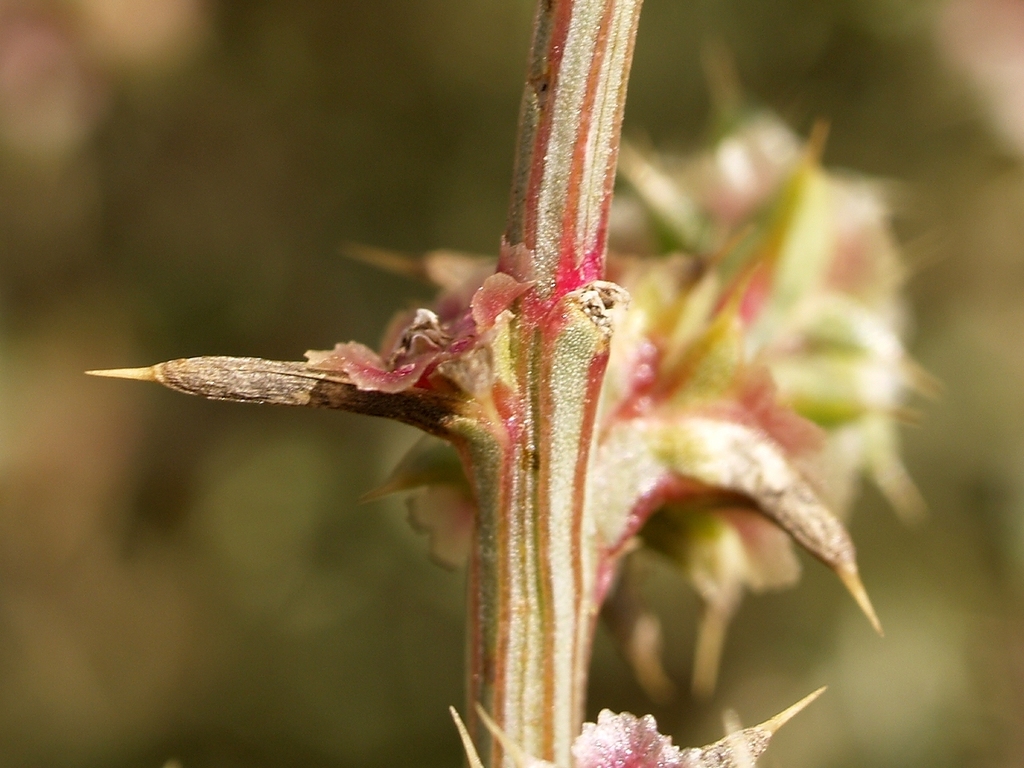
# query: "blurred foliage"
191, 580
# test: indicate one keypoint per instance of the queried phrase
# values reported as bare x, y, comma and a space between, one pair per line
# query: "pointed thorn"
138, 374
375, 493
772, 725
719, 65
816, 142
909, 417
387, 261
467, 743
922, 381
734, 241
707, 657
513, 750
644, 651
389, 488
851, 580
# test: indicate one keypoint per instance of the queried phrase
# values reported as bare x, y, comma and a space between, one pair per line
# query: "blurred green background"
195, 581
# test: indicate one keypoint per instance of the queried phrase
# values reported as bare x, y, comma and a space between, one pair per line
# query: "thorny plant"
712, 401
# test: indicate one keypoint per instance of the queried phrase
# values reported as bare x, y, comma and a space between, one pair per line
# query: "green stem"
569, 129
533, 581
533, 593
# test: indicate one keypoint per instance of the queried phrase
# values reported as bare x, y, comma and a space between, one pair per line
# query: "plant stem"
569, 128
534, 575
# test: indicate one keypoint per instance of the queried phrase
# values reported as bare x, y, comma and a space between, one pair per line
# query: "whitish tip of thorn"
138, 374
467, 743
851, 580
786, 715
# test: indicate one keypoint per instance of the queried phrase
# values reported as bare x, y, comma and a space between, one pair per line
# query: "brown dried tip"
851, 580
276, 382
